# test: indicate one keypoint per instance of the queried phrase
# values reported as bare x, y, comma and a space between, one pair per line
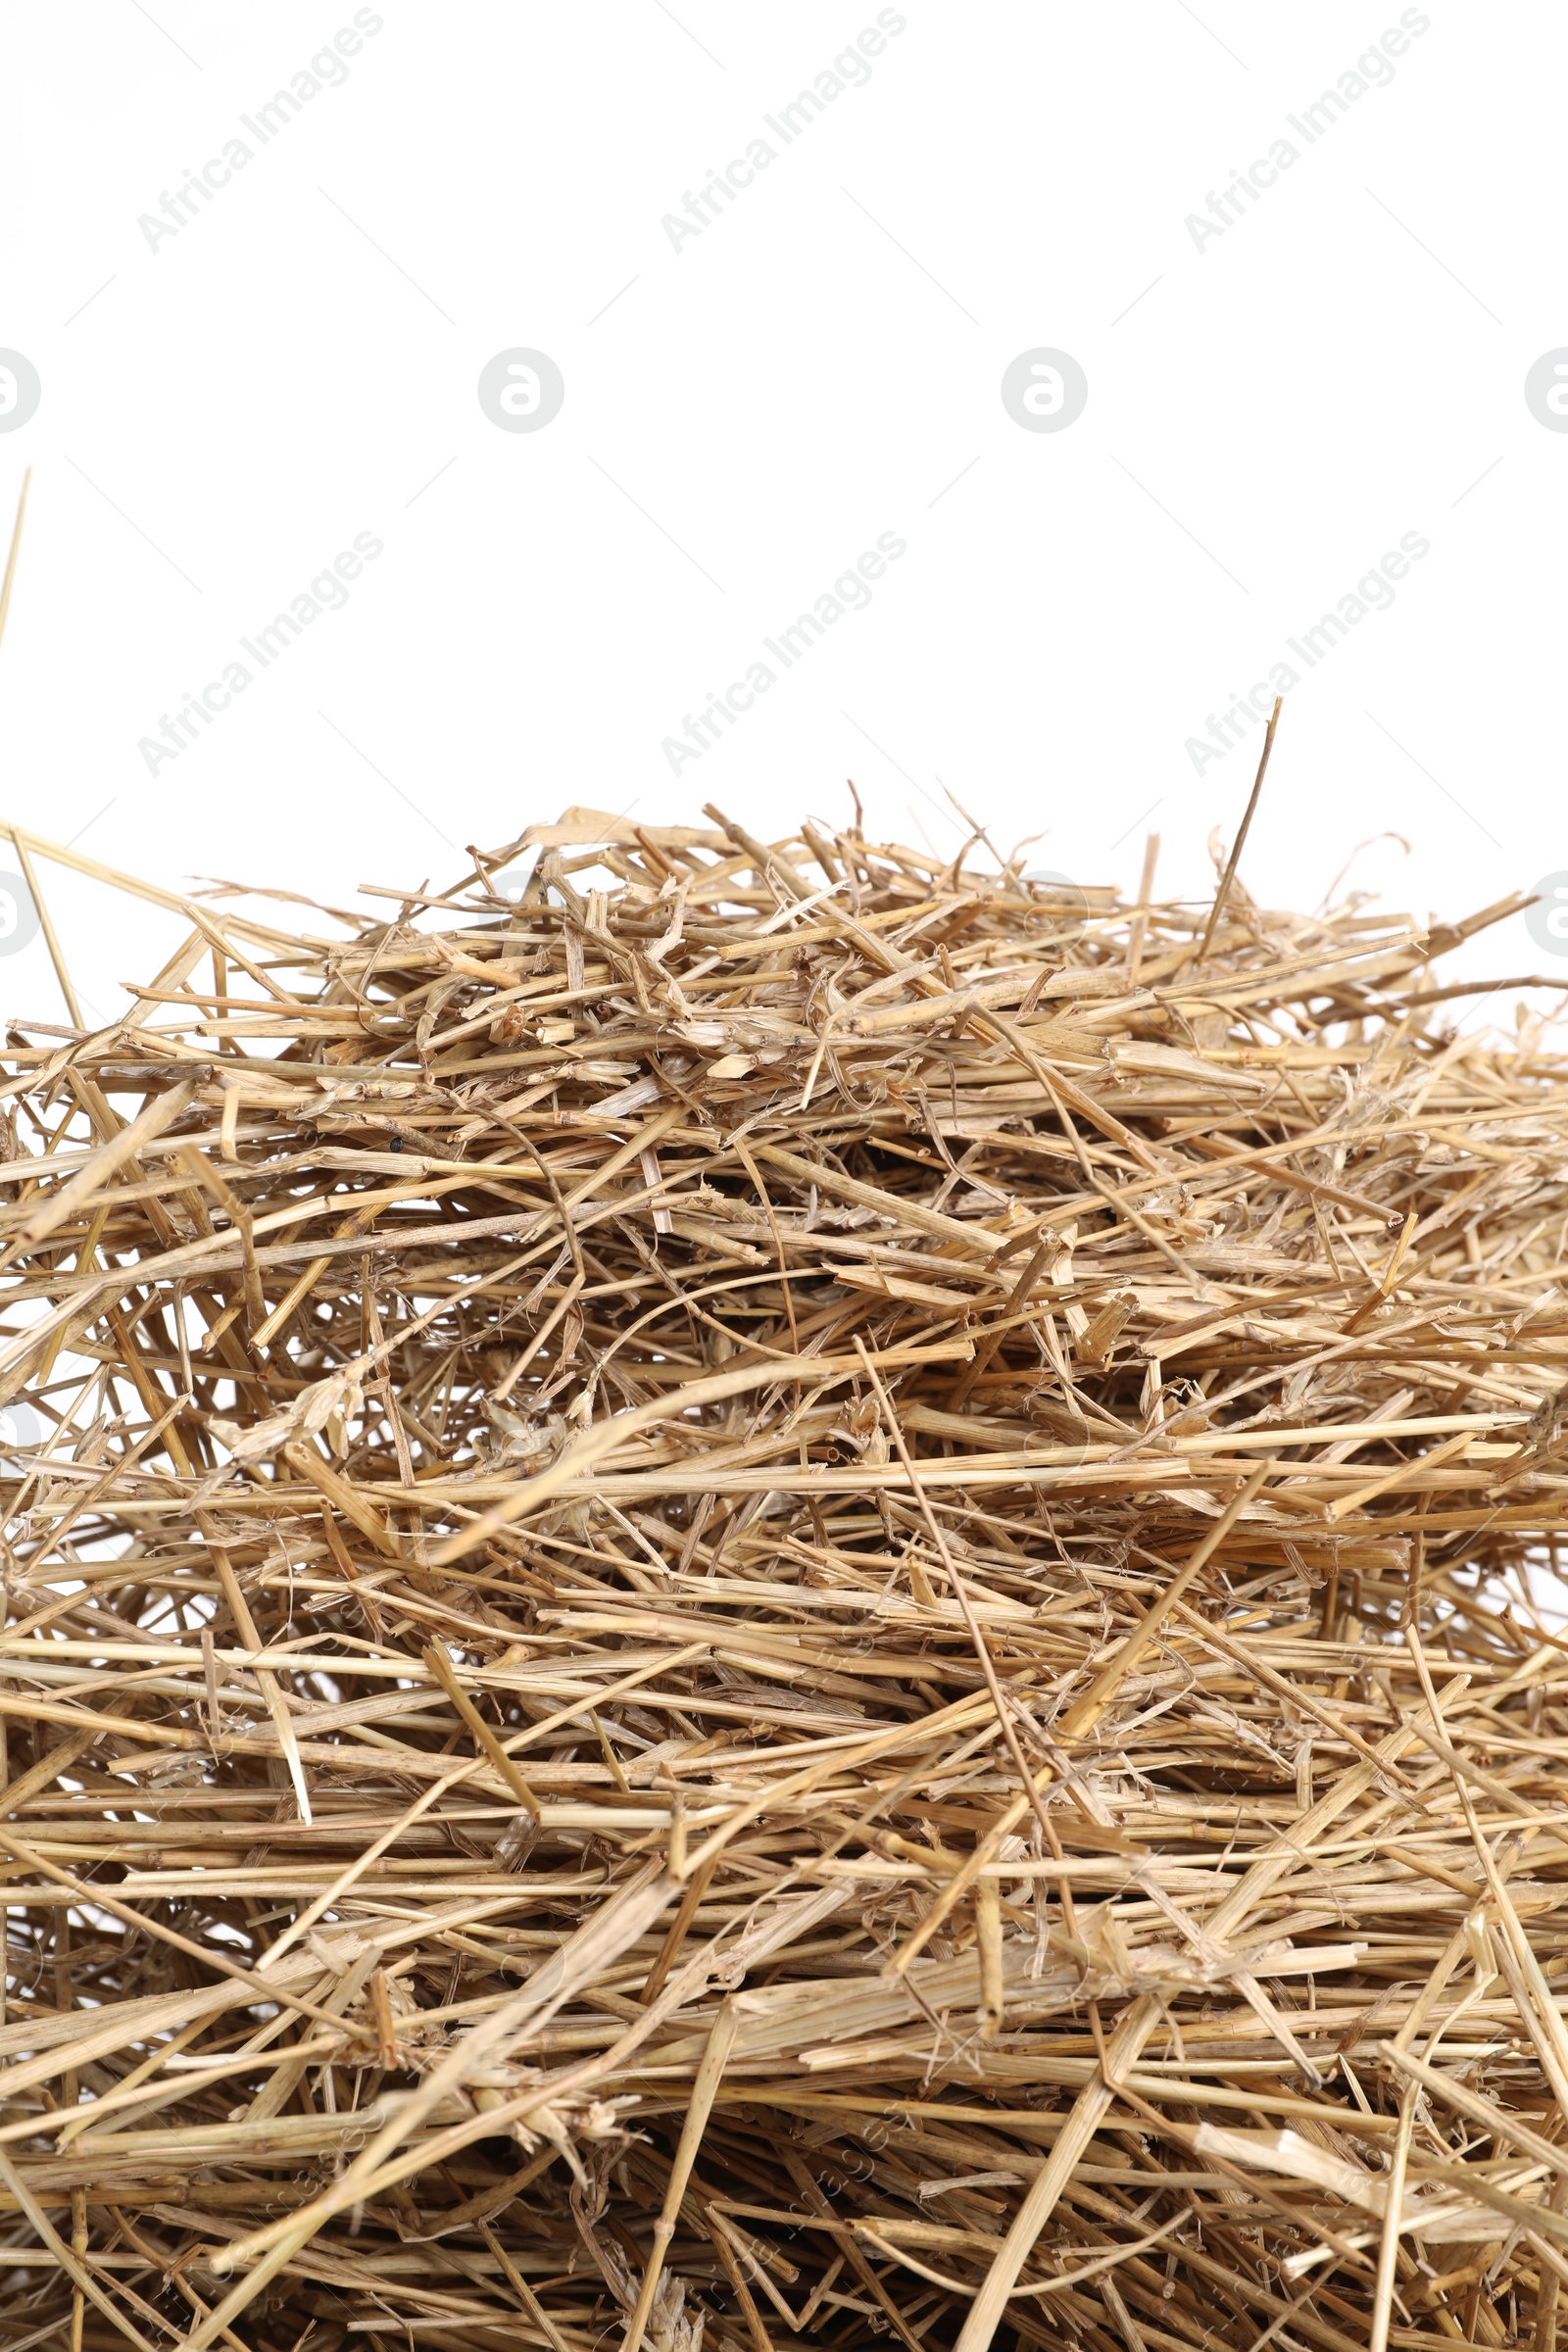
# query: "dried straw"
783, 1596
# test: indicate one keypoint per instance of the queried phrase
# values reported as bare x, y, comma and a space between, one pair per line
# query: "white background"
1267, 415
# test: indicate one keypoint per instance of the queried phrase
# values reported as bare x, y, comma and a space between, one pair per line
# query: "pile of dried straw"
782, 1594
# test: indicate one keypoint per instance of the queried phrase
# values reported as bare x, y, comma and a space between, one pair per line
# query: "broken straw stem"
1228, 875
